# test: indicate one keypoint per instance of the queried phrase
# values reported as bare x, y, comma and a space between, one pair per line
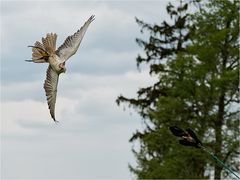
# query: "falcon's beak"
61, 65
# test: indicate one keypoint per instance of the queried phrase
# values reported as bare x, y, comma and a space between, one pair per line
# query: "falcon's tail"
49, 43
39, 54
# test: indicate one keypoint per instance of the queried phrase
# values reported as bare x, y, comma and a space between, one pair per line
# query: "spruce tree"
216, 49
196, 59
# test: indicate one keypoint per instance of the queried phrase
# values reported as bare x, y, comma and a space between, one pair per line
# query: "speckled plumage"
46, 52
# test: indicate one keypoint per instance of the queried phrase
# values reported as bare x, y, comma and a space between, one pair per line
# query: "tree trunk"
221, 108
218, 134
218, 145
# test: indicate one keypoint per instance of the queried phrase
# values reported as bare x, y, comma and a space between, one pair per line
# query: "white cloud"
93, 131
78, 94
92, 134
18, 116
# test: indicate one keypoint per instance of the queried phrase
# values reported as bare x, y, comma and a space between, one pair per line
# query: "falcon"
46, 52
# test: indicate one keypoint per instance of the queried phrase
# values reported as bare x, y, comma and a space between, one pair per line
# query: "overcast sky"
91, 140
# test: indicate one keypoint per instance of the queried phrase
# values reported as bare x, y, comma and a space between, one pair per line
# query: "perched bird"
188, 137
46, 52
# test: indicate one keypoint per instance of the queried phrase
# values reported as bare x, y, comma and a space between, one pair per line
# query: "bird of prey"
46, 52
188, 137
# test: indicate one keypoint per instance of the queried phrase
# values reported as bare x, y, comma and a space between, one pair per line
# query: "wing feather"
50, 87
71, 44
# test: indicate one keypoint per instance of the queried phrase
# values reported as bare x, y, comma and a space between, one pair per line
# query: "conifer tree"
196, 59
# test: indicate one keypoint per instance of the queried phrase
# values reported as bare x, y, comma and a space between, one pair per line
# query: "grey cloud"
23, 90
111, 34
96, 62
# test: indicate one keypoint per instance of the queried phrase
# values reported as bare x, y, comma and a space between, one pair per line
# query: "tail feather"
49, 43
36, 60
38, 51
39, 54
42, 51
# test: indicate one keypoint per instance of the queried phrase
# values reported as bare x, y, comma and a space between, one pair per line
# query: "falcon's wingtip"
54, 119
92, 18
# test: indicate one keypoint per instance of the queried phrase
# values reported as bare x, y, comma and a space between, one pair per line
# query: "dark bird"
188, 137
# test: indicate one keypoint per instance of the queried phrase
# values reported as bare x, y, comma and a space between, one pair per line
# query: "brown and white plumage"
71, 44
46, 52
50, 87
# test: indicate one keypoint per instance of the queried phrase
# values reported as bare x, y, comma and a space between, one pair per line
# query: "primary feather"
50, 87
71, 44
46, 52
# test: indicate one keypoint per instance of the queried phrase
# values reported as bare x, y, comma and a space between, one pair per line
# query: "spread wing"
71, 44
50, 87
177, 131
